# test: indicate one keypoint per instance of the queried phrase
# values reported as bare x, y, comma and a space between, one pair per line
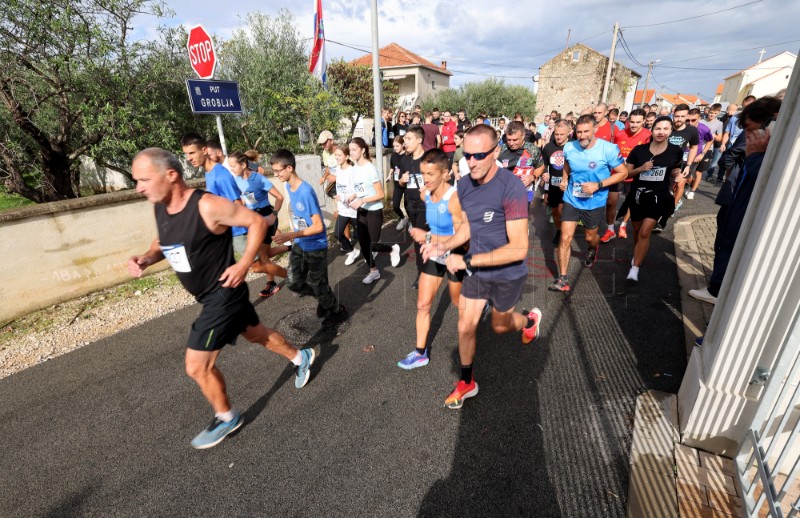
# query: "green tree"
491, 96
74, 83
269, 59
353, 84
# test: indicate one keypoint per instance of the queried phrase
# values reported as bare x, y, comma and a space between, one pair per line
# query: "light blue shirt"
364, 178
589, 165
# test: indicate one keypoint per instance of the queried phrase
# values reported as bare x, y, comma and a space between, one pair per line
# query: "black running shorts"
226, 313
645, 203
502, 294
591, 218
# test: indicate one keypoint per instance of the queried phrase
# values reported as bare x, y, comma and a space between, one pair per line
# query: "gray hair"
161, 159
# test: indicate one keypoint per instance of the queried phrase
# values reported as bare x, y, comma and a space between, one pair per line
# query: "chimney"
444, 64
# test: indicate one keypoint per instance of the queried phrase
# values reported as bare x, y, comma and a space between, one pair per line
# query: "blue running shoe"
414, 360
216, 432
303, 371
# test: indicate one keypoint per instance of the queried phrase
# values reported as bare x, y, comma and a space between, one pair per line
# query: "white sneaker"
633, 275
395, 255
374, 255
371, 277
703, 295
401, 223
351, 257
690, 195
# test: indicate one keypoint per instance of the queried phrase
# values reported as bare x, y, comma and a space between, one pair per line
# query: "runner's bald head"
161, 159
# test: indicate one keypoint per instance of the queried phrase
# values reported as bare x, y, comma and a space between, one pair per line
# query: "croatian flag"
317, 64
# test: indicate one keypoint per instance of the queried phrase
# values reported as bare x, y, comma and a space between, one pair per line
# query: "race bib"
361, 190
249, 198
396, 174
299, 223
655, 174
342, 190
578, 192
177, 258
555, 180
686, 155
418, 178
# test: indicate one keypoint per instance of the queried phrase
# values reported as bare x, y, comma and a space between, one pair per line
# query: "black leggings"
397, 197
369, 223
341, 225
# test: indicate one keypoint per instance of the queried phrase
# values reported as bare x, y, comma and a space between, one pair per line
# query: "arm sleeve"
515, 201
537, 157
311, 201
613, 156
226, 186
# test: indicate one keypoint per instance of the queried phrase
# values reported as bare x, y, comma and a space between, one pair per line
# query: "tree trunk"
59, 177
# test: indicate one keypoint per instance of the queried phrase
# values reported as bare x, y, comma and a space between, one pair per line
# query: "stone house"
574, 78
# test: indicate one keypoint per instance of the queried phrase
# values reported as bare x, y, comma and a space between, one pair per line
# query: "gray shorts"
502, 294
591, 218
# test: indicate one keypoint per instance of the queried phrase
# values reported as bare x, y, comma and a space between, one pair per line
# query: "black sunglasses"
479, 156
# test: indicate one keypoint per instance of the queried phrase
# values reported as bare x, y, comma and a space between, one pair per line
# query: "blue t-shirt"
589, 165
221, 182
733, 129
364, 179
304, 204
488, 207
619, 124
255, 190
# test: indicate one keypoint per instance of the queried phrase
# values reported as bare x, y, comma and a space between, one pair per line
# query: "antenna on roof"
761, 55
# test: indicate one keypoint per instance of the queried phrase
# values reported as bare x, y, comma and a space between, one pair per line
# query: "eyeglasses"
692, 120
479, 156
276, 171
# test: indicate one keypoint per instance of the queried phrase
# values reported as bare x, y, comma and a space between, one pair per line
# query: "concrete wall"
567, 85
63, 250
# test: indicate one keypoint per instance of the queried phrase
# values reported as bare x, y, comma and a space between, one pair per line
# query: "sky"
512, 39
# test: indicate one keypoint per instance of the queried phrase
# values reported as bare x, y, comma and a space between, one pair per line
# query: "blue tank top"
438, 214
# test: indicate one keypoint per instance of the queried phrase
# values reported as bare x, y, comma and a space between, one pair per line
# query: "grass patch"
12, 201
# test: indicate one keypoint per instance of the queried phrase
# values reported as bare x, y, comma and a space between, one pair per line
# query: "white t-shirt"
344, 188
463, 168
364, 178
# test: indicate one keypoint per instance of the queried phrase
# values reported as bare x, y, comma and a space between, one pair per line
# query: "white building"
764, 78
416, 77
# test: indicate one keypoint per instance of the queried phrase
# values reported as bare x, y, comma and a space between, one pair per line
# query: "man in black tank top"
194, 235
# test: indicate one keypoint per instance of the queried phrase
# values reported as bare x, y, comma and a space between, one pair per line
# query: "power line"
732, 51
694, 17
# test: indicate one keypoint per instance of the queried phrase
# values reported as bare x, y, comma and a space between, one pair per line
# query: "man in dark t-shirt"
412, 179
194, 235
687, 138
521, 157
432, 138
495, 209
553, 157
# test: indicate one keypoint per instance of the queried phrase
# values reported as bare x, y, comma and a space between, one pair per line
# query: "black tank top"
197, 255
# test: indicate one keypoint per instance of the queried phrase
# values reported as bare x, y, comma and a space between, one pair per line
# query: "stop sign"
201, 52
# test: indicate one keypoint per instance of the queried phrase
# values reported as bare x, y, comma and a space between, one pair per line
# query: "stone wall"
572, 85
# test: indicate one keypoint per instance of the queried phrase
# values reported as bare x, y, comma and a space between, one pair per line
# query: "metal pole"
376, 91
604, 97
221, 136
646, 80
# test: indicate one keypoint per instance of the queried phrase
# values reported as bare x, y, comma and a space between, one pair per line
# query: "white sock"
634, 273
226, 416
298, 359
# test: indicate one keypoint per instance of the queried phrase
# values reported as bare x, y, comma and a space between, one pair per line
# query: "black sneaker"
321, 313
335, 318
271, 289
560, 284
591, 257
557, 238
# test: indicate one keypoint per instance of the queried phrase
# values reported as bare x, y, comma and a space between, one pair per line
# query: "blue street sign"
210, 96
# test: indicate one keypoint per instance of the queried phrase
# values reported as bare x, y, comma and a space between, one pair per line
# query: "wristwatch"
468, 261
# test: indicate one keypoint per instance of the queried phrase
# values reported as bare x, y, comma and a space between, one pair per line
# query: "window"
576, 56
433, 84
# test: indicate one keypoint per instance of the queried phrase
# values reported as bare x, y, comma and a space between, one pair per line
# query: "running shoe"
608, 236
321, 313
271, 289
633, 274
703, 295
658, 229
560, 284
463, 391
217, 431
591, 257
698, 342
402, 223
678, 205
531, 331
351, 257
371, 277
557, 237
394, 255
623, 232
303, 371
335, 318
690, 195
414, 360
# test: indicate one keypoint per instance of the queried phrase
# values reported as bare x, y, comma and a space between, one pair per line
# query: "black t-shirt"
460, 124
660, 176
411, 166
399, 129
394, 164
684, 139
553, 156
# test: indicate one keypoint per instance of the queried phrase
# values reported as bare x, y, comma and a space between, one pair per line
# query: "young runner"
444, 217
395, 161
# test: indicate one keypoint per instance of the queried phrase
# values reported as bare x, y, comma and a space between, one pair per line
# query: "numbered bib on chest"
361, 190
396, 174
555, 180
299, 223
655, 174
249, 198
177, 258
342, 190
578, 192
419, 179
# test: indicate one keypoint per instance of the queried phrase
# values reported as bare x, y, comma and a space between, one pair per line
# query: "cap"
324, 137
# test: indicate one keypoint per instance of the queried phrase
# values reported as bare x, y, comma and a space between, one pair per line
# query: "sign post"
203, 59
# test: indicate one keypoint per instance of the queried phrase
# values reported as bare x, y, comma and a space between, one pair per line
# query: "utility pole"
604, 97
647, 80
376, 91
566, 46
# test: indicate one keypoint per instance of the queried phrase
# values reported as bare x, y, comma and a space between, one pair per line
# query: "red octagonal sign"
201, 52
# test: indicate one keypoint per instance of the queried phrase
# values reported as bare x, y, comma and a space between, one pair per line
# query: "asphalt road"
105, 430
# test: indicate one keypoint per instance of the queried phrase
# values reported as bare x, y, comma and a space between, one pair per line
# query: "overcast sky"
512, 39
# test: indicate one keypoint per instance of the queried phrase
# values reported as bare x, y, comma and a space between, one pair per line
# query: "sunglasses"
479, 156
